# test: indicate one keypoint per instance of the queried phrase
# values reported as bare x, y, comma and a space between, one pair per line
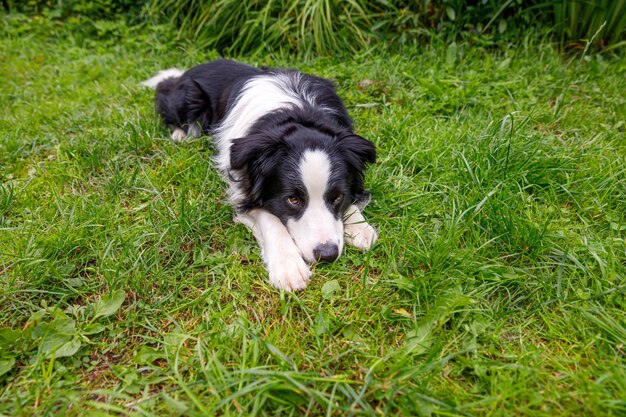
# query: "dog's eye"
294, 201
338, 199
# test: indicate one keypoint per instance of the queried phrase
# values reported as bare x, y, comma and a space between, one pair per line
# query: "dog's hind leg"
287, 270
178, 135
357, 231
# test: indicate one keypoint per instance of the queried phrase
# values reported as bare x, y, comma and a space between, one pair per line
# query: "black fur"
270, 154
202, 95
265, 162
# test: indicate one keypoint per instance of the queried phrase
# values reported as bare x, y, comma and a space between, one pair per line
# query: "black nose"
326, 252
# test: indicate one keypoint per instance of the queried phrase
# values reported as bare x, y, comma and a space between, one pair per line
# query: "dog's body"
285, 146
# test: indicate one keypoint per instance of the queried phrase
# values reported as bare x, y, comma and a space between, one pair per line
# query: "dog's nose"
326, 252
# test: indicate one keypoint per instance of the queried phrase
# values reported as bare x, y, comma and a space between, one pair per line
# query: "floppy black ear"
244, 151
358, 151
255, 157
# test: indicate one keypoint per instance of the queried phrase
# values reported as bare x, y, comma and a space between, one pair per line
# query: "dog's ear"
255, 157
244, 151
358, 151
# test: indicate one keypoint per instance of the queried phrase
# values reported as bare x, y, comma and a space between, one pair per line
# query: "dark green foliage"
233, 26
99, 9
337, 26
603, 21
322, 26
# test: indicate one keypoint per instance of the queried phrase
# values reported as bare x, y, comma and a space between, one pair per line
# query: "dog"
285, 146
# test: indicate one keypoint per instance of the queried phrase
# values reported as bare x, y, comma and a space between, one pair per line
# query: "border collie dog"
286, 147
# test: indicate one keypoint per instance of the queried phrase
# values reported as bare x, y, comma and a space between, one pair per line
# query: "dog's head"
307, 178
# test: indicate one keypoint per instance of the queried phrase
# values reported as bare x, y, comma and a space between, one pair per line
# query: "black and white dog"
286, 147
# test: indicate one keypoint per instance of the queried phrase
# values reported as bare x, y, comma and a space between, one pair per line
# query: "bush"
337, 26
332, 26
100, 9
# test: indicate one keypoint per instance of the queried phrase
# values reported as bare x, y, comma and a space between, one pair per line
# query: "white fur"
178, 135
358, 232
163, 75
193, 131
287, 270
260, 95
317, 225
284, 248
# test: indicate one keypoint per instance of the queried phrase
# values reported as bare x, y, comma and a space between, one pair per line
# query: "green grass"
497, 286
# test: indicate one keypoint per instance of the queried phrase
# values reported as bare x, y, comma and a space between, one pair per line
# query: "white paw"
290, 273
178, 135
360, 235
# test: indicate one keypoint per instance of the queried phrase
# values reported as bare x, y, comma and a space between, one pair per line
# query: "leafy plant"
100, 9
62, 335
335, 26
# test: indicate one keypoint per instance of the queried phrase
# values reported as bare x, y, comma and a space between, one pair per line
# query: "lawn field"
497, 286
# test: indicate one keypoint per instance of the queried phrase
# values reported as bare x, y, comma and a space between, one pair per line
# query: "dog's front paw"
360, 235
289, 273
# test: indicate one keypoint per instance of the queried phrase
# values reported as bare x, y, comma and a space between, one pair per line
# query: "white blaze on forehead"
317, 225
315, 172
259, 96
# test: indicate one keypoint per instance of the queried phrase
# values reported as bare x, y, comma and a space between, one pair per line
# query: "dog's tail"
171, 74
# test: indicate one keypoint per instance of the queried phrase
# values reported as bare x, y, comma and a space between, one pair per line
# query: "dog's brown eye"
294, 201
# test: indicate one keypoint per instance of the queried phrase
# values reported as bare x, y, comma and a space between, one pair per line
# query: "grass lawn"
497, 286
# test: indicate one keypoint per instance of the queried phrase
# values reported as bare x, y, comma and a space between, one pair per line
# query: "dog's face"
308, 180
